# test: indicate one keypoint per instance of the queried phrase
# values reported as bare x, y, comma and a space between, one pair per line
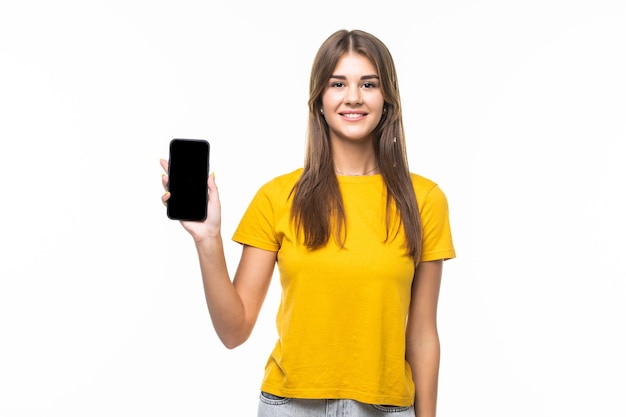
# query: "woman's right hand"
211, 226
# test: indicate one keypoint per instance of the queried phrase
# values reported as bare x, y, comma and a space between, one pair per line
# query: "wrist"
207, 240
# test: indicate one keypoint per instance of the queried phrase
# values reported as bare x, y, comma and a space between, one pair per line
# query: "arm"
422, 338
233, 305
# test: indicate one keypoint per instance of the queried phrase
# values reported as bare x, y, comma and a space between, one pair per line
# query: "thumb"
213, 192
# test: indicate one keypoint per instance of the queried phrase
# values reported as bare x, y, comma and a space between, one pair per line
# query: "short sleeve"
257, 226
436, 234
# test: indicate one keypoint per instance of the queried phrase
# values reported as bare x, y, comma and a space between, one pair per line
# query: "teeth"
352, 115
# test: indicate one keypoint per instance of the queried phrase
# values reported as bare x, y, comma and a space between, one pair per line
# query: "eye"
336, 84
369, 84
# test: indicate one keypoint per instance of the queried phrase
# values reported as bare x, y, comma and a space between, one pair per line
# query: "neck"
354, 158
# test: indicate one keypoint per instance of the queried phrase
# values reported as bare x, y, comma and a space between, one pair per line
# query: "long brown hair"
317, 197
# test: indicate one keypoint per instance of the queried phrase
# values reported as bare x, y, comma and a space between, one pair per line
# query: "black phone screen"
188, 175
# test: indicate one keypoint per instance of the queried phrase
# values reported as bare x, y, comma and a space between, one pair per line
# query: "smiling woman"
359, 241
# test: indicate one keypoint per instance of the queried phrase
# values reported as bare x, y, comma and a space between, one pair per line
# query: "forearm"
424, 358
223, 302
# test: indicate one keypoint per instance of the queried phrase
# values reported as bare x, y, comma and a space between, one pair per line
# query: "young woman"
359, 242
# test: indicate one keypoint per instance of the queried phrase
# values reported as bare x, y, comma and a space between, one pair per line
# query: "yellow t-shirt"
341, 320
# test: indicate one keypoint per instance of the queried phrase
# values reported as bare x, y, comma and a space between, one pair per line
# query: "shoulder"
426, 189
421, 184
281, 185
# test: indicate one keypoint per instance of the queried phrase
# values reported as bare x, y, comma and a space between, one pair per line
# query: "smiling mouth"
352, 115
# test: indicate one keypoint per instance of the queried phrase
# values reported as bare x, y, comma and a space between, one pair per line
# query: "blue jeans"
272, 406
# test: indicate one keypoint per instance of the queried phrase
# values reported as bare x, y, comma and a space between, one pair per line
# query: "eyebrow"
365, 77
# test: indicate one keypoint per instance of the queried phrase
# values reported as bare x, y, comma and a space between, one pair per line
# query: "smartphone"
188, 174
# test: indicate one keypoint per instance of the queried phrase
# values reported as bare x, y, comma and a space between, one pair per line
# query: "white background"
516, 108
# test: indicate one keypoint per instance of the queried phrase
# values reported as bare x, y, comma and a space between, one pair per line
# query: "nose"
353, 95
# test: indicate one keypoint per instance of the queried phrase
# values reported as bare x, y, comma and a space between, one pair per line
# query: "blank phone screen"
188, 174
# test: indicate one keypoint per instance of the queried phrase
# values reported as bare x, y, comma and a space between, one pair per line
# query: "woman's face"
352, 101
